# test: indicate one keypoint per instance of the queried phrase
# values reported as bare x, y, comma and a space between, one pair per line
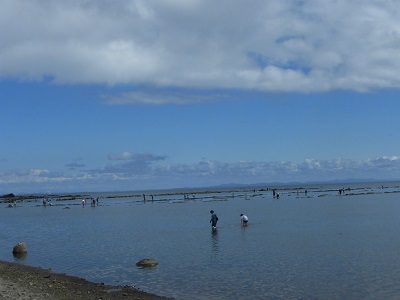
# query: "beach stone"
20, 248
147, 263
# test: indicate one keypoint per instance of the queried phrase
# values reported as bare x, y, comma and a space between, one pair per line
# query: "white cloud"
38, 172
294, 45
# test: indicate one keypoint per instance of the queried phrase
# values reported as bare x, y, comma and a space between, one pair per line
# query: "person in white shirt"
243, 219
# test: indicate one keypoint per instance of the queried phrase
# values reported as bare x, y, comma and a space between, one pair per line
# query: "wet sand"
30, 283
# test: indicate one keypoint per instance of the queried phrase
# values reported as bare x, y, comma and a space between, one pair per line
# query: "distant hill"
11, 195
265, 184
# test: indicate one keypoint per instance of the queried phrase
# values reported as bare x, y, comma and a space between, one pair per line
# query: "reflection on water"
214, 240
324, 246
20, 256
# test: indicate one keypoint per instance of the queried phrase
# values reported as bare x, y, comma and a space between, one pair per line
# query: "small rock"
20, 248
147, 263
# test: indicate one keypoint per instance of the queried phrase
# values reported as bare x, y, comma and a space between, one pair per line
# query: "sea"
321, 241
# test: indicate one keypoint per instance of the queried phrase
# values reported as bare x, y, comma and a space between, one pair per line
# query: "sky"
105, 95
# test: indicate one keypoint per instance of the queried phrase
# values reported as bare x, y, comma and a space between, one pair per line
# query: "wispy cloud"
133, 164
264, 45
28, 176
160, 96
74, 165
135, 156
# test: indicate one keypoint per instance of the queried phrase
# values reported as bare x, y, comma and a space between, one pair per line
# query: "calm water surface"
323, 246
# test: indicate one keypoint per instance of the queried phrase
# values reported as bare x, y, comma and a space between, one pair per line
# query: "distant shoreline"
10, 198
199, 190
23, 282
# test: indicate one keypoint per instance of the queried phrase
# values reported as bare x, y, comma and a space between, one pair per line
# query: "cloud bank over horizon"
277, 46
140, 173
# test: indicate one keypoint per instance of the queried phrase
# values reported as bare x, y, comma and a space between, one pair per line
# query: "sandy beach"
32, 283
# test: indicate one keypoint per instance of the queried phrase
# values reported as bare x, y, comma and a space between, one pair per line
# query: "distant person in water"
213, 220
244, 220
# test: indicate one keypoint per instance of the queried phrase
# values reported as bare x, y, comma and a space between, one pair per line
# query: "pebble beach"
34, 283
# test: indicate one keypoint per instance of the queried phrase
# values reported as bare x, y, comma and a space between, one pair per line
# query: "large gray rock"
20, 248
147, 263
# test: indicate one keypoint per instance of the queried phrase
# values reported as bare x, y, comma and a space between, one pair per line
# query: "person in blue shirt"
213, 220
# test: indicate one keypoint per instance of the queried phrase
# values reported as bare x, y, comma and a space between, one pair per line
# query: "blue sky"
131, 95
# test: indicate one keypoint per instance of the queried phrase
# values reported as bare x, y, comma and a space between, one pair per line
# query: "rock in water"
20, 248
147, 263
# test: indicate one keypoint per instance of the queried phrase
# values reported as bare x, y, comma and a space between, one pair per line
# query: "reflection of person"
213, 220
243, 219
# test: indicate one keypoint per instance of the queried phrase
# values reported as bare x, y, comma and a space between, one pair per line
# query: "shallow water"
315, 247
